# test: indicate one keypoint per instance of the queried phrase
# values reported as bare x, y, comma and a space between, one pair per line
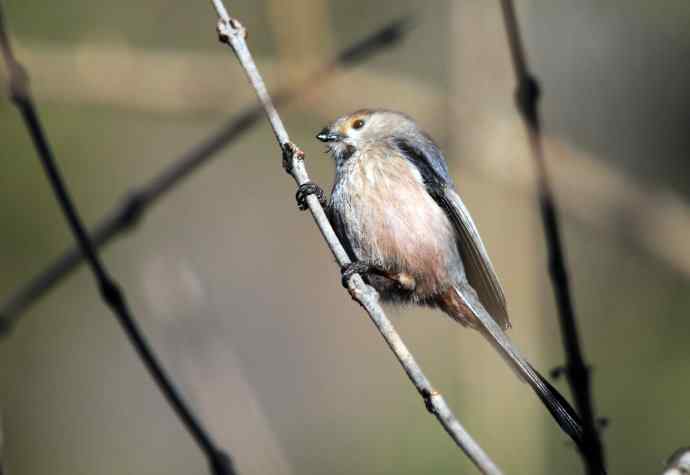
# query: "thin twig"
125, 216
114, 298
577, 372
234, 34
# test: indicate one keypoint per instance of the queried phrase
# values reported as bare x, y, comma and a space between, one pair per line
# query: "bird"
395, 209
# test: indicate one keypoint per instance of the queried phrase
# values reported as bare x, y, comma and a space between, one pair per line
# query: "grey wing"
478, 268
428, 159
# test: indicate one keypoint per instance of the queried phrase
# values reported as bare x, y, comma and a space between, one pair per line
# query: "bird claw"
349, 270
306, 189
402, 280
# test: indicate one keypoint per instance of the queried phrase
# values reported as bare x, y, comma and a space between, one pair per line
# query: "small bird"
394, 207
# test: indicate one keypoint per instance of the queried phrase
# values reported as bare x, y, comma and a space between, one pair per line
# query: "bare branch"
233, 33
679, 462
576, 370
125, 216
109, 289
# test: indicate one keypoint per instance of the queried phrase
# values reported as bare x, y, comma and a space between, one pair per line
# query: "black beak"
326, 135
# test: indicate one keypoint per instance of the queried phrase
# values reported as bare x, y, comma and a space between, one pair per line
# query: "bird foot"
349, 270
306, 189
402, 280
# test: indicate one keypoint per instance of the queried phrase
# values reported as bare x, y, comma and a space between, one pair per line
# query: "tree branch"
233, 33
109, 289
125, 216
577, 372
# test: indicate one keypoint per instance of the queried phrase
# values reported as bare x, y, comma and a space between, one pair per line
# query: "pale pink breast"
406, 230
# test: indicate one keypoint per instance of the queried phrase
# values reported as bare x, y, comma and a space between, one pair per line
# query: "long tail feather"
560, 409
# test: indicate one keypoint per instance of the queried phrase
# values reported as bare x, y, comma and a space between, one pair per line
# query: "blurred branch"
122, 76
129, 212
678, 463
296, 49
577, 372
210, 370
234, 34
109, 289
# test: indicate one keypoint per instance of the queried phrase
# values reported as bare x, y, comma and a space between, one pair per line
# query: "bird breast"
391, 221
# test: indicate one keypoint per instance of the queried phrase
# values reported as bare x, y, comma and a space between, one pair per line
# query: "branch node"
356, 293
291, 152
527, 97
427, 395
364, 295
221, 463
133, 208
111, 293
230, 29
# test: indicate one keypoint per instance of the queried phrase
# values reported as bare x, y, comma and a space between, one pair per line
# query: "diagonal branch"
109, 289
125, 216
234, 34
577, 372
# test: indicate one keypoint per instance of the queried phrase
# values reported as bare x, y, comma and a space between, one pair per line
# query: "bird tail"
463, 305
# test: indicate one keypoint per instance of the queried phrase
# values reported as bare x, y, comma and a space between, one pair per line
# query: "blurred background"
237, 290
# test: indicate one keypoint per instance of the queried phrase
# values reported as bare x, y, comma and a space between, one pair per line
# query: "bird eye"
358, 124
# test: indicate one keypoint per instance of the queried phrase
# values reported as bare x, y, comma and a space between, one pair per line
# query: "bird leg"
402, 280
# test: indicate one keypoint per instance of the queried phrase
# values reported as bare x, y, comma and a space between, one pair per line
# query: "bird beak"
326, 135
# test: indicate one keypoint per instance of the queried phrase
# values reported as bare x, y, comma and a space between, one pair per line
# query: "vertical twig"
233, 33
577, 372
131, 209
109, 289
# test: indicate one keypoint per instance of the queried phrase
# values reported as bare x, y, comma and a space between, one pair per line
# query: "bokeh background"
237, 290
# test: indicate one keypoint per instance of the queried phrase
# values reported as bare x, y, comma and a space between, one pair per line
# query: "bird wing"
478, 268
480, 273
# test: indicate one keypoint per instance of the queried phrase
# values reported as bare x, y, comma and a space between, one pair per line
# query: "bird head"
357, 130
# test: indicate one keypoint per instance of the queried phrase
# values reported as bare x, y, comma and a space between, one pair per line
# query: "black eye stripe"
358, 124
